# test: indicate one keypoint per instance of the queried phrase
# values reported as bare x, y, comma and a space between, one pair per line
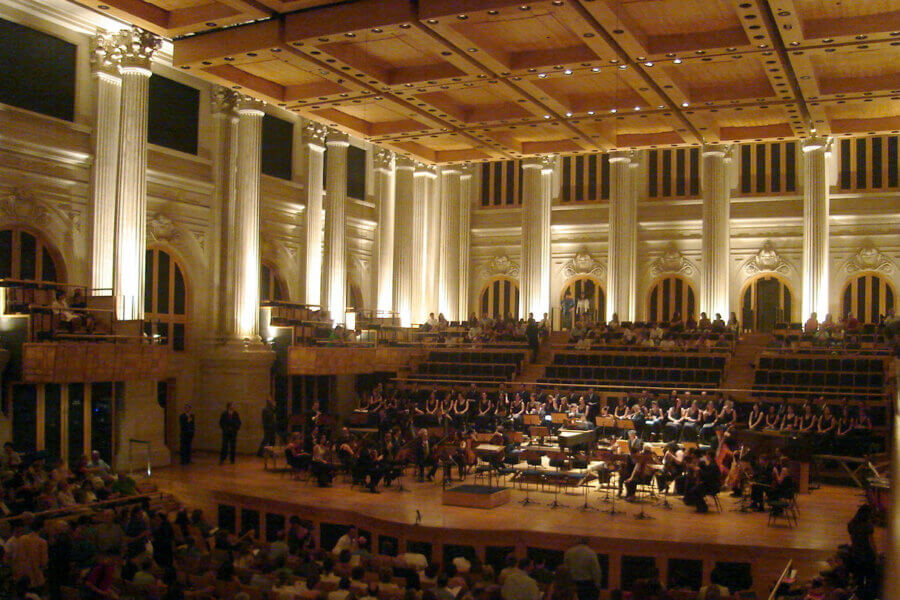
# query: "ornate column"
221, 302
815, 228
716, 234
535, 271
137, 47
448, 281
334, 265
620, 272
314, 136
244, 254
465, 226
403, 235
105, 60
423, 262
384, 235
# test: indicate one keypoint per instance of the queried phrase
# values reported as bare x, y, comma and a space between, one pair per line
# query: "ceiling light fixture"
677, 61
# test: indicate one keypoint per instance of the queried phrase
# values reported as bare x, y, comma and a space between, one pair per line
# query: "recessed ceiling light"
677, 61
542, 75
648, 64
590, 112
568, 71
623, 67
568, 114
546, 116
596, 69
493, 12
462, 17
431, 21
613, 110
524, 7
637, 108
349, 35
684, 104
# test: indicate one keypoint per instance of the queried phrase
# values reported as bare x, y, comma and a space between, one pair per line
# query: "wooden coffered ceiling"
468, 80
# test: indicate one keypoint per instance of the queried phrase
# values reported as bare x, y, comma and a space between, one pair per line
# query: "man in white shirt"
585, 570
519, 585
348, 541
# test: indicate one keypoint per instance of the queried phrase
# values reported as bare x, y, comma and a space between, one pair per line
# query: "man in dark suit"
422, 455
269, 425
229, 423
186, 430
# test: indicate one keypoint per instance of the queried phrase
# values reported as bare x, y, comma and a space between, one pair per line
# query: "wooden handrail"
784, 573
80, 508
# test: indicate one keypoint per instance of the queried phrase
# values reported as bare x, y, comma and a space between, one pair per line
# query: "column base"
238, 372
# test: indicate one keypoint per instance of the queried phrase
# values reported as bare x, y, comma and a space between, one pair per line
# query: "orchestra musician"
321, 466
705, 481
423, 456
740, 473
641, 472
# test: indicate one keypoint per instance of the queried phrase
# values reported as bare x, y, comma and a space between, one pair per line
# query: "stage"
418, 515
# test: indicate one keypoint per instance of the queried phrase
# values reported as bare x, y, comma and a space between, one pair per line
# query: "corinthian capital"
105, 53
314, 134
137, 47
384, 160
223, 100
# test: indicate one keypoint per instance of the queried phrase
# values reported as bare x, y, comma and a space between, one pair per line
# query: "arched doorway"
500, 297
165, 298
591, 287
765, 301
668, 296
868, 296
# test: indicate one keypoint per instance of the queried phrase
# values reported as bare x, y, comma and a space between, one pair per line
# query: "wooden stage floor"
822, 524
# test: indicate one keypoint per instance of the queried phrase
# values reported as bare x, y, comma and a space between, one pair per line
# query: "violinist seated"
369, 468
294, 454
321, 467
642, 473
706, 481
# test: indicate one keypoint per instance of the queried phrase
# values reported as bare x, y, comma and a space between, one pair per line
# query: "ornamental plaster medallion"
671, 262
582, 264
767, 260
501, 265
868, 258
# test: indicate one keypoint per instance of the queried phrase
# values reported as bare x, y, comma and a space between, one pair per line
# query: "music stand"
585, 485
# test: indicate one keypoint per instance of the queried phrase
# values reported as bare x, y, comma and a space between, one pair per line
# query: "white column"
105, 57
716, 238
137, 48
422, 259
448, 280
221, 302
384, 234
334, 276
314, 145
244, 256
403, 236
535, 271
815, 228
620, 272
465, 226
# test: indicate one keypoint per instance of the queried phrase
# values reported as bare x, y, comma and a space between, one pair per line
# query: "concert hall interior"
449, 299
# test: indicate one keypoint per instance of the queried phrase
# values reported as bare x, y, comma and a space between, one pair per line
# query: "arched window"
765, 301
270, 286
26, 255
589, 286
671, 295
867, 296
500, 297
165, 298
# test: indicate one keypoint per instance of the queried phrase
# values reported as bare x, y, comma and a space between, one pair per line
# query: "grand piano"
572, 439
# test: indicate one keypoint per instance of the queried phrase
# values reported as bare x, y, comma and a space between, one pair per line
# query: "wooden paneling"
312, 360
62, 362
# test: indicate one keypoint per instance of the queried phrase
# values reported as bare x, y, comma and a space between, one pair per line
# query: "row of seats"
502, 371
476, 356
824, 379
666, 361
632, 375
821, 363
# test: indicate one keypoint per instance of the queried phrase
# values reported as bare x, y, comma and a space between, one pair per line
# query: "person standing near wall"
230, 424
186, 431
